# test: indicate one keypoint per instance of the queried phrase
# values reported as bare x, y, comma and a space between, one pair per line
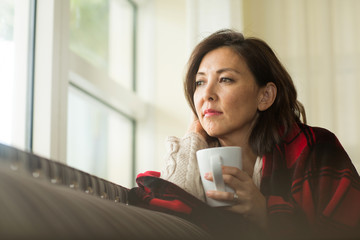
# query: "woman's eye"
199, 83
226, 80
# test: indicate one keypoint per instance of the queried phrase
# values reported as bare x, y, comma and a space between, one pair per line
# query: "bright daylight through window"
100, 136
7, 49
16, 32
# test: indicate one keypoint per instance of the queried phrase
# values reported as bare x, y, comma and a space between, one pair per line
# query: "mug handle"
216, 164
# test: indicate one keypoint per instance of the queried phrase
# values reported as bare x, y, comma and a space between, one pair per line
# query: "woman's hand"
250, 203
195, 126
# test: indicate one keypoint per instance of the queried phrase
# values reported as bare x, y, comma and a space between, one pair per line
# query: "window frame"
56, 62
97, 84
50, 74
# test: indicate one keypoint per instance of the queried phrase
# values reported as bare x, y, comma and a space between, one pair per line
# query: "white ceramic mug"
211, 160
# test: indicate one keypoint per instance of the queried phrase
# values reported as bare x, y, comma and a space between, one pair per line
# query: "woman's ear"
267, 96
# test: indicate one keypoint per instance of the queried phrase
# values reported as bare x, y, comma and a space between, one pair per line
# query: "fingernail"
209, 193
207, 175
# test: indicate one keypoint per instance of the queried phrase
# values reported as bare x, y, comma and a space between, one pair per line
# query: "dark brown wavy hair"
272, 124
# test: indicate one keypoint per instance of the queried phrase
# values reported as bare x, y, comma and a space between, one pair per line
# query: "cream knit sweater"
181, 166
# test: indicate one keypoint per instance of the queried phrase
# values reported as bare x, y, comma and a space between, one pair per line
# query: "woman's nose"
210, 91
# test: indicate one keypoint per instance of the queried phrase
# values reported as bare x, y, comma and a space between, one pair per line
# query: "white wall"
172, 112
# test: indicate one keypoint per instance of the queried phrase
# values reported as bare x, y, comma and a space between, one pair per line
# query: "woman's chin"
212, 134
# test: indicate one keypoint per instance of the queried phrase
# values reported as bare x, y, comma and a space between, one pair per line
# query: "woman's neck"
248, 160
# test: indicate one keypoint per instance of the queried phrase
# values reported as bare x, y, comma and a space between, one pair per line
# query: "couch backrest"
58, 173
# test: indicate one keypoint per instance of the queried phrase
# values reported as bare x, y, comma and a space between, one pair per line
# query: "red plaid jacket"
311, 186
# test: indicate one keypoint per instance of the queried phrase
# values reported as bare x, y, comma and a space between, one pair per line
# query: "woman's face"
226, 96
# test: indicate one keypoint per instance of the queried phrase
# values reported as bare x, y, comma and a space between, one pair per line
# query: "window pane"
101, 31
14, 66
99, 139
7, 50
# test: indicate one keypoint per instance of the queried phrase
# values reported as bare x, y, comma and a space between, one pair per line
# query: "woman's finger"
232, 171
236, 172
221, 196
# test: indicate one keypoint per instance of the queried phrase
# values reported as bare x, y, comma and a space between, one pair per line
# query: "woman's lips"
211, 112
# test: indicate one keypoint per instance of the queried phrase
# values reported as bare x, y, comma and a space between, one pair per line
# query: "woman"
295, 178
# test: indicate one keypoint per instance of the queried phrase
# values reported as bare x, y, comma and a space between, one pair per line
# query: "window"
102, 99
68, 84
100, 139
16, 67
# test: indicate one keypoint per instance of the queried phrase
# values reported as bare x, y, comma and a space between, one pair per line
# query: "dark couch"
44, 199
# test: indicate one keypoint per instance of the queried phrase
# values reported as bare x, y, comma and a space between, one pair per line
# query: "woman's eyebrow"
221, 71
200, 73
227, 70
